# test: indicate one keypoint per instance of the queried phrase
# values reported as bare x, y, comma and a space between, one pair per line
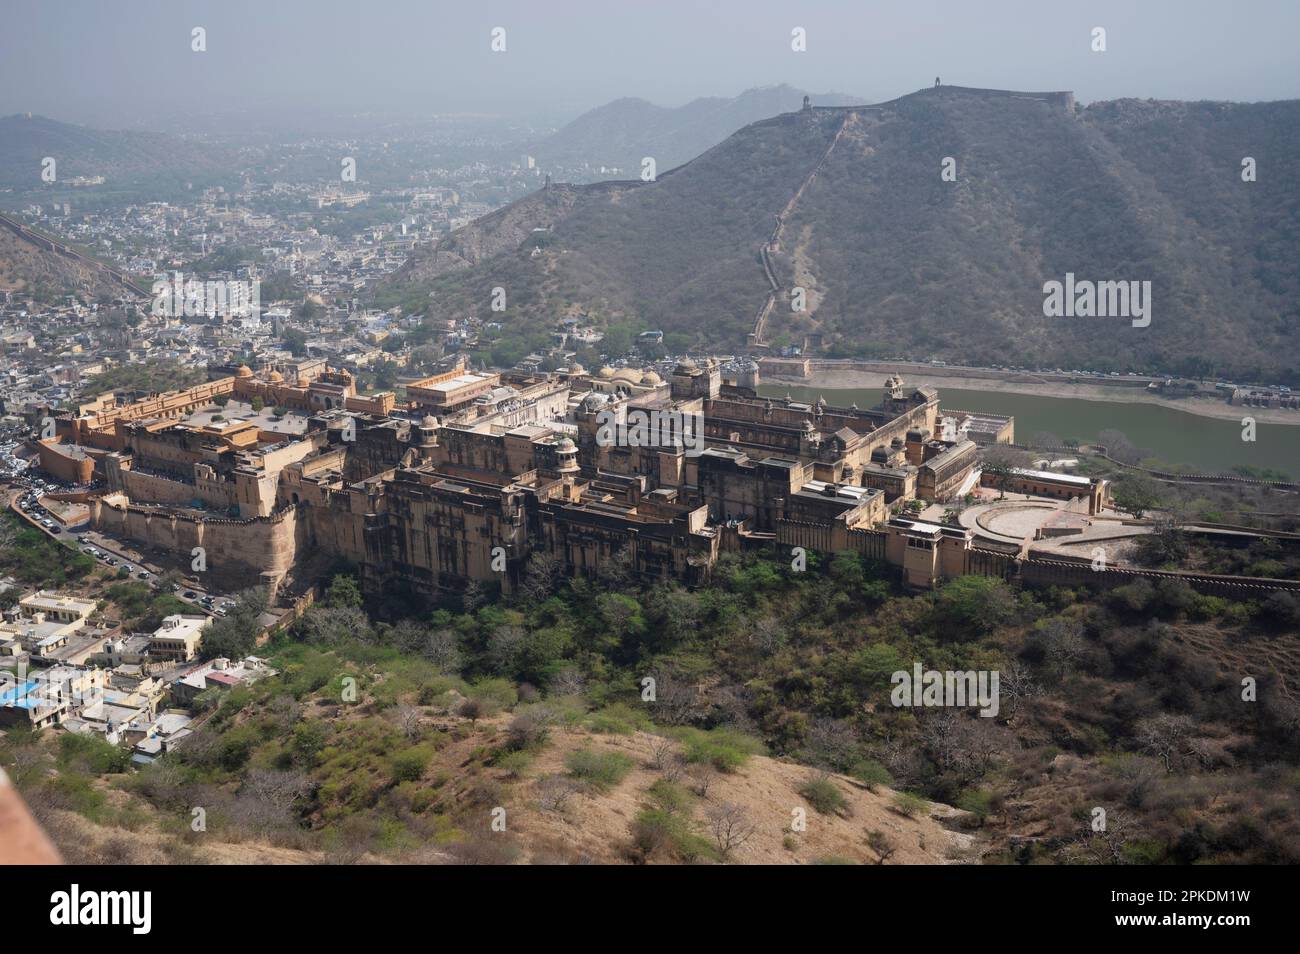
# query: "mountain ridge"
618, 134
900, 261
122, 156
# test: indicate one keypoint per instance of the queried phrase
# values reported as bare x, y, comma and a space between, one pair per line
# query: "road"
123, 553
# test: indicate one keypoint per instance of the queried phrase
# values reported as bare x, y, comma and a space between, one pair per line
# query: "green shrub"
872, 774
514, 762
308, 739
905, 803
236, 746
670, 797
655, 829
92, 754
603, 770
823, 795
530, 729
77, 792
978, 803
616, 719
409, 765
1144, 851
974, 605
493, 695
725, 749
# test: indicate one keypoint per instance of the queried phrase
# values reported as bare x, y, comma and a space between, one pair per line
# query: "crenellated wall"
238, 553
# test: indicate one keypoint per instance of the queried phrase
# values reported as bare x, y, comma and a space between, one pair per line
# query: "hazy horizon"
301, 62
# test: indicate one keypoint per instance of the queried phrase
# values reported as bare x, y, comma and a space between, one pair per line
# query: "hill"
553, 817
898, 261
122, 157
619, 134
773, 707
29, 265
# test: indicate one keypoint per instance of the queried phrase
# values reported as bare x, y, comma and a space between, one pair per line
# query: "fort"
524, 470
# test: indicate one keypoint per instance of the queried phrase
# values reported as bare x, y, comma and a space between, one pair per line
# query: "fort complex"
476, 474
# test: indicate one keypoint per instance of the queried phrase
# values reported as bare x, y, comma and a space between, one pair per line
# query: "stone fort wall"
239, 553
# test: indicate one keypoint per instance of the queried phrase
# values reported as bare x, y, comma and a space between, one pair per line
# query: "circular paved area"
1008, 520
1017, 521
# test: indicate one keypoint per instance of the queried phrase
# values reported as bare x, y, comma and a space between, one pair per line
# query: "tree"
768, 634
882, 845
295, 339
976, 605
1063, 644
556, 791
1102, 846
702, 775
1120, 448
617, 570
307, 311
731, 826
386, 374
542, 577
472, 709
1000, 462
1166, 737
1016, 687
343, 593
282, 789
441, 649
1136, 494
408, 718
676, 701
504, 647
1165, 544
233, 637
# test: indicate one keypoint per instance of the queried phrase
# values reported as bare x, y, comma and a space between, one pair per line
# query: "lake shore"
836, 380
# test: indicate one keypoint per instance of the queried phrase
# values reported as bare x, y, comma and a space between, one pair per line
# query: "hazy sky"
129, 62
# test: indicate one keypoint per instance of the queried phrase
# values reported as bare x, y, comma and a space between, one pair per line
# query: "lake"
1207, 443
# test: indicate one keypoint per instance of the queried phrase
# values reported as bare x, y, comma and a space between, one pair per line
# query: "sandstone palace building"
478, 474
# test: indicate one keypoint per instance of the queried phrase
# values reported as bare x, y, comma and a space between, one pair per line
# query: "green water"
1177, 437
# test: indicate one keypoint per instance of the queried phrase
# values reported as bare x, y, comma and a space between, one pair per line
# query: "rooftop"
1056, 476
